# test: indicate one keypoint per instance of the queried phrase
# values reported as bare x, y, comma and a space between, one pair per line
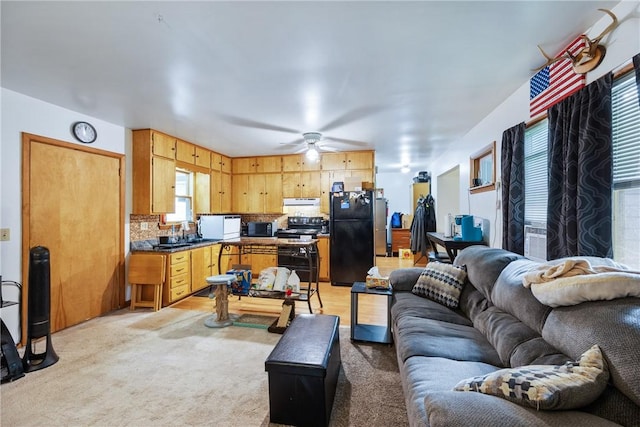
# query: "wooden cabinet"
178, 283
202, 193
400, 239
323, 252
185, 152
301, 184
220, 192
347, 160
333, 161
154, 176
220, 162
298, 163
202, 157
257, 193
257, 164
200, 267
240, 202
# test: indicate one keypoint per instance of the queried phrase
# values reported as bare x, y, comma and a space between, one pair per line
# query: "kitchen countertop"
150, 246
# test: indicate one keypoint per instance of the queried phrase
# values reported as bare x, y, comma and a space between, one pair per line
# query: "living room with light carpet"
166, 368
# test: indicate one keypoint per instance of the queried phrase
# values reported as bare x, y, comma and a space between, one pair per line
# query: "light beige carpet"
168, 369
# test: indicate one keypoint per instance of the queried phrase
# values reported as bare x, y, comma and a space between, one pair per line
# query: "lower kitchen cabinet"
400, 239
323, 252
178, 282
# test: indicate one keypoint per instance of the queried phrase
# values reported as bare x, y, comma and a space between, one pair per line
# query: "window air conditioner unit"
535, 243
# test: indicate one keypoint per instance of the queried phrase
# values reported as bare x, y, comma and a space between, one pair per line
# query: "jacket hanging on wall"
424, 220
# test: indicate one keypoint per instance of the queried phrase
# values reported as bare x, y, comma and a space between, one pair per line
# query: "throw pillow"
441, 283
568, 386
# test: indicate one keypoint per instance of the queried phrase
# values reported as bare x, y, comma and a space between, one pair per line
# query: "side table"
364, 332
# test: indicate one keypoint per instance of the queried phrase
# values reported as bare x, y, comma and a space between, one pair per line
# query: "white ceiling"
247, 78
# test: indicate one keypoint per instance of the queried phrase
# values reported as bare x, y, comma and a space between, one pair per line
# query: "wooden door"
202, 193
291, 184
268, 164
185, 152
203, 157
240, 193
292, 163
310, 184
216, 161
360, 160
163, 145
255, 193
244, 164
333, 161
163, 185
73, 204
225, 196
273, 193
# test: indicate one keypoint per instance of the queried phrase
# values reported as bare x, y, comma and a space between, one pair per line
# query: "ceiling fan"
314, 139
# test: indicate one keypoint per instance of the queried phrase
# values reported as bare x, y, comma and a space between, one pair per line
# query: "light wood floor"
336, 300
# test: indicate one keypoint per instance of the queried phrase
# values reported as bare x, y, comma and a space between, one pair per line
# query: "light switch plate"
4, 234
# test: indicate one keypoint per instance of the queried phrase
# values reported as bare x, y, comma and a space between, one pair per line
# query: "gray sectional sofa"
500, 324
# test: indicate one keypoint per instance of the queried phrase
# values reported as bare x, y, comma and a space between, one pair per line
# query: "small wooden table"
450, 244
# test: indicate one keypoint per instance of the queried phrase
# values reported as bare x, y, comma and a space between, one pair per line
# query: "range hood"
302, 201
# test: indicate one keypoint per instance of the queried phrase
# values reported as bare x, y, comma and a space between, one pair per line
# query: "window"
626, 171
535, 174
184, 197
483, 170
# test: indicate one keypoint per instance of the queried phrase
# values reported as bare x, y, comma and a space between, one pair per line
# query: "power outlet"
144, 226
5, 234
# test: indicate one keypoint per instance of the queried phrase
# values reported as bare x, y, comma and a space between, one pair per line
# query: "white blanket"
571, 281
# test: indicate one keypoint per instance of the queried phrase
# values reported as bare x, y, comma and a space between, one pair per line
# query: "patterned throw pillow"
568, 386
441, 282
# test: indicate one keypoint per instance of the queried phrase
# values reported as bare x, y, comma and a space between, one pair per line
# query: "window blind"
536, 173
626, 132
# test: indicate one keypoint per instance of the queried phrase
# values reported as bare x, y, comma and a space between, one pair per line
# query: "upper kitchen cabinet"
298, 163
220, 162
193, 154
220, 192
348, 160
257, 164
154, 175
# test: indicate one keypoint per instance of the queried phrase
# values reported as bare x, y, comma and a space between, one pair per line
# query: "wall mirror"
482, 170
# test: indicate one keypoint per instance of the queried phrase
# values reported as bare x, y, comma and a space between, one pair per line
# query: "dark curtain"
636, 65
579, 214
512, 161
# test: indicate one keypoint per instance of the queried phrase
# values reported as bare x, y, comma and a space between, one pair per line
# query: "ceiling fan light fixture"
312, 153
312, 137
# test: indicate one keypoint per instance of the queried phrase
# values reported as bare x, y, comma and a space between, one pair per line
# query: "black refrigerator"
351, 232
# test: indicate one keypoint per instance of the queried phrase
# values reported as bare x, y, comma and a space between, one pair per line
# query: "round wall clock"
84, 132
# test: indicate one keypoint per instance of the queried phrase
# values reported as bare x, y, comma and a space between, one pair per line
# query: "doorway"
73, 204
448, 192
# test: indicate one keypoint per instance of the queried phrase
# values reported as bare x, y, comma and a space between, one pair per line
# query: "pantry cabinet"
154, 175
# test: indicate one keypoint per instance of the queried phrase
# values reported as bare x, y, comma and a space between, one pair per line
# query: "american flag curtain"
556, 81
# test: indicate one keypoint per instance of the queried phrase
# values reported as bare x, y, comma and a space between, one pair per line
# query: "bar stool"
222, 317
146, 270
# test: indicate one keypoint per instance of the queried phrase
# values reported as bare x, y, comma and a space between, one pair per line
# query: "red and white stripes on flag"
556, 81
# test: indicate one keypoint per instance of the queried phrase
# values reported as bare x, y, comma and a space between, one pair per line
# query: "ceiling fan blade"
292, 144
352, 116
239, 121
348, 141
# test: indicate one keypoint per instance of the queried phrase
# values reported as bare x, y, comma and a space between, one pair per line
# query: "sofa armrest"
403, 279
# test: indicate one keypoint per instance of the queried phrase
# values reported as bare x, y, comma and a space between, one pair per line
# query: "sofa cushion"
613, 325
441, 282
417, 336
509, 294
403, 279
451, 408
557, 387
405, 304
436, 375
484, 265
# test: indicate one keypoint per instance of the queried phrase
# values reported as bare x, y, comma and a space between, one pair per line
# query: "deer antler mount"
589, 57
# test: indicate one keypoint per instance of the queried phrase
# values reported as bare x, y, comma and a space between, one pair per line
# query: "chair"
146, 270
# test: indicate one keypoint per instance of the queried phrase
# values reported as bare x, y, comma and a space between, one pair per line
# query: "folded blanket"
571, 281
569, 267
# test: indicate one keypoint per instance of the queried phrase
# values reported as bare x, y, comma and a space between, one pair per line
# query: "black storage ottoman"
303, 371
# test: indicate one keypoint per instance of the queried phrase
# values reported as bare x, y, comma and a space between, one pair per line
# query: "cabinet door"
292, 163
163, 185
203, 157
255, 193
244, 165
240, 193
333, 161
185, 152
216, 191
225, 197
359, 160
213, 265
268, 164
200, 260
163, 145
309, 165
323, 252
291, 184
216, 161
310, 184
273, 193
202, 193
325, 190
226, 165
259, 262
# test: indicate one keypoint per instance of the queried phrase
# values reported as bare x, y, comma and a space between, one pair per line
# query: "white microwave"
221, 227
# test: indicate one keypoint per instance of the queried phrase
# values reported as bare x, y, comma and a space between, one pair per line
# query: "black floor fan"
39, 310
